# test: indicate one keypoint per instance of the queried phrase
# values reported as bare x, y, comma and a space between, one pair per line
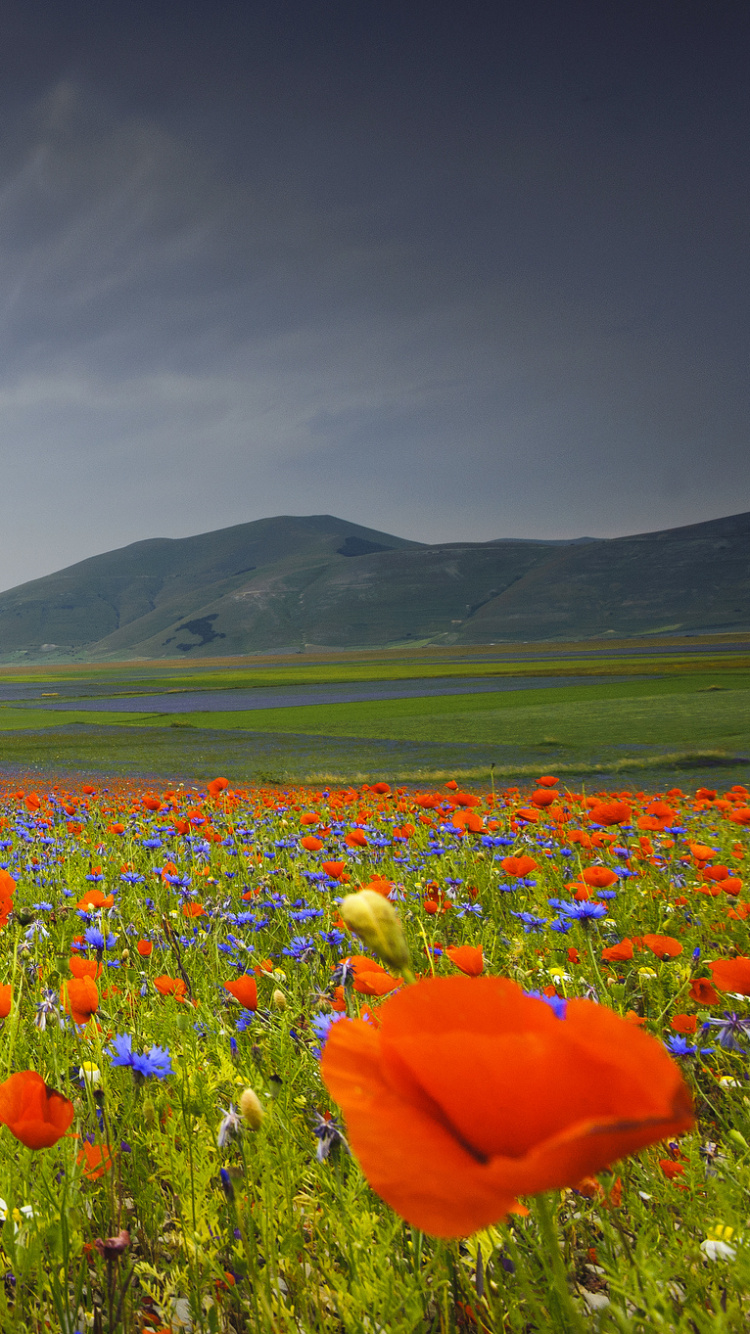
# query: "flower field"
373, 1059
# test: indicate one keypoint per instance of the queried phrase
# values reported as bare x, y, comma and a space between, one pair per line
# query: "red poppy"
145, 948
375, 982
518, 867
310, 843
611, 812
600, 877
471, 1093
355, 839
664, 947
80, 998
732, 974
468, 958
170, 986
619, 952
702, 991
84, 967
245, 990
379, 885
543, 797
94, 899
6, 999
193, 910
217, 786
98, 1160
684, 1023
334, 869
32, 1111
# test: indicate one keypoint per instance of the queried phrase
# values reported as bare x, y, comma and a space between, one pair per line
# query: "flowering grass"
172, 965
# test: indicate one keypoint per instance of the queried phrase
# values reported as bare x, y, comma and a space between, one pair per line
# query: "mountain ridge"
290, 580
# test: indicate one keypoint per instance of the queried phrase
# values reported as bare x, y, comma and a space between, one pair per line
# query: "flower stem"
570, 1319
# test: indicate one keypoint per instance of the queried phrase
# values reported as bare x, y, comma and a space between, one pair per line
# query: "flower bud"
251, 1108
376, 922
279, 999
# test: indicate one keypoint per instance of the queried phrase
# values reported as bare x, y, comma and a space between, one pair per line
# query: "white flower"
718, 1250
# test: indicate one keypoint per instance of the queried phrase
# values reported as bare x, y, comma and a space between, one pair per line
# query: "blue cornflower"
321, 1026
329, 1135
334, 938
557, 1004
473, 908
244, 1021
98, 941
300, 948
156, 1062
584, 911
530, 921
730, 1030
132, 878
679, 1046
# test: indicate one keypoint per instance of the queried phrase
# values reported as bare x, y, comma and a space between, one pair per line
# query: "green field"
669, 714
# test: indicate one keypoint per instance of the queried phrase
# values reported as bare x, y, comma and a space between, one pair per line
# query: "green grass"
667, 711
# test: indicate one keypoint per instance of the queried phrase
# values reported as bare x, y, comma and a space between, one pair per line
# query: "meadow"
646, 710
187, 969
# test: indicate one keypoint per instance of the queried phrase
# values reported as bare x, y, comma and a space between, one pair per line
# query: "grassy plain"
672, 710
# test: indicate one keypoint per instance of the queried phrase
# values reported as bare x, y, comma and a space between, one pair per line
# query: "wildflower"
245, 990
329, 1135
731, 1030
664, 947
468, 958
702, 991
80, 998
530, 921
470, 1094
156, 1062
170, 986
37, 1115
97, 1158
97, 940
300, 948
45, 1009
229, 1128
6, 999
113, 1247
732, 975
585, 911
618, 953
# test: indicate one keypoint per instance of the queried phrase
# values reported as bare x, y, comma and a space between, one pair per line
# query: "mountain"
284, 582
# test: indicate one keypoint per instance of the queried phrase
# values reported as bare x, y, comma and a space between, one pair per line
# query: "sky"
448, 270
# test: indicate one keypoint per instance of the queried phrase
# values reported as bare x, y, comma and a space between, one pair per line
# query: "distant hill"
318, 580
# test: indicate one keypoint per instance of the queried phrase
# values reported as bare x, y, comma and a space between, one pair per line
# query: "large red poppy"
470, 1094
32, 1111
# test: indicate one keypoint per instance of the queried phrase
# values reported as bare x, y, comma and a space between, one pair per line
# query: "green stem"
571, 1320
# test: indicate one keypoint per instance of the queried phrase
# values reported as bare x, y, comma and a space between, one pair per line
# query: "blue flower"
155, 1063
530, 922
584, 911
557, 1004
321, 1026
731, 1030
94, 937
300, 948
334, 938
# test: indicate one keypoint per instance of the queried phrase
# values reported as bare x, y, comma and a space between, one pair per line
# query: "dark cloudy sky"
449, 270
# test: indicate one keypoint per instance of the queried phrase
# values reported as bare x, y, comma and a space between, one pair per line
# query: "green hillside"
287, 582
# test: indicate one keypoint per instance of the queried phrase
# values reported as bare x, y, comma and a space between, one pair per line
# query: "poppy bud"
279, 999
251, 1108
376, 922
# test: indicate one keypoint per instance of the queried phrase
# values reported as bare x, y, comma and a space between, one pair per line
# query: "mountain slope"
285, 581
